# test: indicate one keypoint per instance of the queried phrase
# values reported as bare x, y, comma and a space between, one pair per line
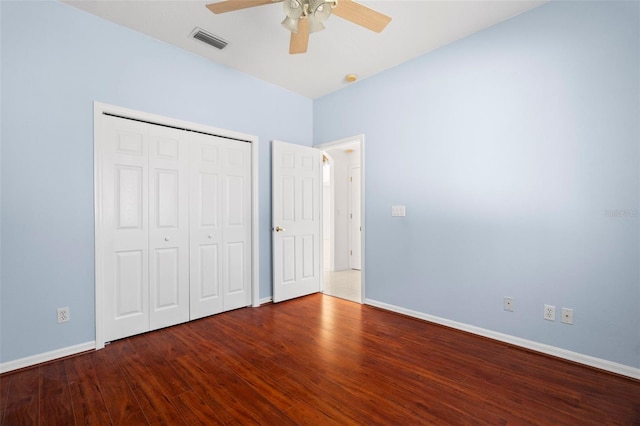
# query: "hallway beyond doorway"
343, 284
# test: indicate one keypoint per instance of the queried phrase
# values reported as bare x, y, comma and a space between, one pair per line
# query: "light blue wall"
510, 148
57, 60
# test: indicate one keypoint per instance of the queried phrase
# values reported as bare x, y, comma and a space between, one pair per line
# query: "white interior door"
355, 219
168, 227
220, 225
296, 201
125, 260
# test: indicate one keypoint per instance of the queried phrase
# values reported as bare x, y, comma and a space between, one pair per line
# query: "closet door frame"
100, 110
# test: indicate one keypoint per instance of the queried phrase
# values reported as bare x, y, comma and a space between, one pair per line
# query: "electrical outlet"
550, 312
63, 315
398, 211
508, 304
567, 316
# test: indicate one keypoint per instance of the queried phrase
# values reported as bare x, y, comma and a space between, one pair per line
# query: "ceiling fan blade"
300, 40
361, 15
232, 5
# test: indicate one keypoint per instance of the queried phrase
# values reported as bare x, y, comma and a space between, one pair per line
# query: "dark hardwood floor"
317, 360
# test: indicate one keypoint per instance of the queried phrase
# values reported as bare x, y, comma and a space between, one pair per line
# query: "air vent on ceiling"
210, 39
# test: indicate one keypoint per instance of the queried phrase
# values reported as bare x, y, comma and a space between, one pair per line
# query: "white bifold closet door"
168, 227
125, 220
220, 225
176, 217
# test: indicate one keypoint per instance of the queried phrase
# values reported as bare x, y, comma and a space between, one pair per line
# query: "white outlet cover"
398, 211
567, 316
63, 315
549, 312
508, 304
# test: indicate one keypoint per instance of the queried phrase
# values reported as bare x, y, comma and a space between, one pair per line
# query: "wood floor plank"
24, 398
305, 415
170, 383
5, 383
154, 402
86, 398
327, 398
259, 406
131, 364
195, 411
166, 344
55, 398
156, 406
316, 360
119, 399
439, 396
257, 375
205, 382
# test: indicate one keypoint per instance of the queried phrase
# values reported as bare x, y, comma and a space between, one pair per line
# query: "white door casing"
296, 201
355, 218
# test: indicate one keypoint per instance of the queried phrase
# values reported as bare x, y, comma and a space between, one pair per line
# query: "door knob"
166, 238
209, 236
280, 229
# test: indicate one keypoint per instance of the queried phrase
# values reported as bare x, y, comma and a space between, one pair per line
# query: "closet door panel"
236, 191
169, 227
129, 284
207, 197
205, 230
167, 287
208, 269
234, 268
125, 260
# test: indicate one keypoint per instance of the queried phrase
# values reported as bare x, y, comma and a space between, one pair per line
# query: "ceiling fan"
303, 17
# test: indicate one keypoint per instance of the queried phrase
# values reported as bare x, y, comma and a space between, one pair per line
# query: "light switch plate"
398, 211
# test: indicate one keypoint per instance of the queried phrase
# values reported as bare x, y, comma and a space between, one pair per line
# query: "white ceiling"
259, 45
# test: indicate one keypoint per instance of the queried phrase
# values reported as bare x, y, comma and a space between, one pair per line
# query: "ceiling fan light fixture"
315, 26
291, 24
293, 8
320, 9
306, 16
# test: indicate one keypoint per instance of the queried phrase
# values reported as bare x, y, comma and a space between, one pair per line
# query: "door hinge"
350, 178
351, 252
350, 215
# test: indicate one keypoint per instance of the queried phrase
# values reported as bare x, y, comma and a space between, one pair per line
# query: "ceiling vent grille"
208, 38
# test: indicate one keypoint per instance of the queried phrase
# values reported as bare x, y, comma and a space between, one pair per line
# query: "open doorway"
342, 218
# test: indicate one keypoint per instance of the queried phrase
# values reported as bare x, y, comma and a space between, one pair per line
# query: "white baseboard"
266, 300
44, 357
602, 364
